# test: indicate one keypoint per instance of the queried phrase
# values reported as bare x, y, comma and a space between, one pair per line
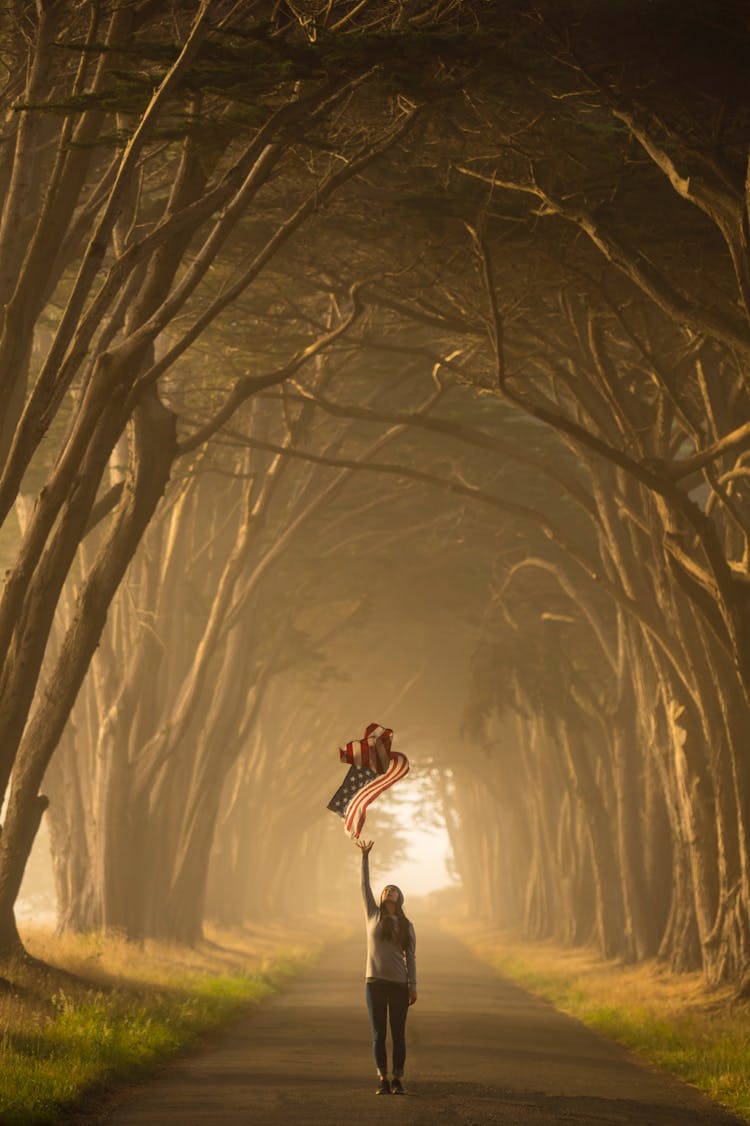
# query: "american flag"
374, 768
373, 750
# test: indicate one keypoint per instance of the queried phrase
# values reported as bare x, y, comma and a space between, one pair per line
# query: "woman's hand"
412, 997
364, 846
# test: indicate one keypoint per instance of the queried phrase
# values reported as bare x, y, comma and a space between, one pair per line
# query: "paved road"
480, 1051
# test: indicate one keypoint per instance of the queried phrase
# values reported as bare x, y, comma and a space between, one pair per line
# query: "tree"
124, 188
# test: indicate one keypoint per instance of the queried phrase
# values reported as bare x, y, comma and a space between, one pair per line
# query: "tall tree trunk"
152, 452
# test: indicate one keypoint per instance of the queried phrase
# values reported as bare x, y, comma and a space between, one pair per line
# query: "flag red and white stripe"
373, 751
356, 811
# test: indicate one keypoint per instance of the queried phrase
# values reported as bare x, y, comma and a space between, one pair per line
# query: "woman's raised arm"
371, 906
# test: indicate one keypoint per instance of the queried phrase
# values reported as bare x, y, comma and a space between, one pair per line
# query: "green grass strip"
89, 1038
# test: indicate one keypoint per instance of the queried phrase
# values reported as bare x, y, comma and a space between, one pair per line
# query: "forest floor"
90, 1013
481, 1050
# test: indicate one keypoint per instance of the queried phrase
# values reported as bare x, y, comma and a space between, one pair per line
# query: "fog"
428, 863
426, 866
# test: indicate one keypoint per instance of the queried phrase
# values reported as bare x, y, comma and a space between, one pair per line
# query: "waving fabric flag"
373, 751
374, 769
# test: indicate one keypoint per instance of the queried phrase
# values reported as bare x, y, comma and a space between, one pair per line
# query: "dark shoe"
383, 1088
397, 1087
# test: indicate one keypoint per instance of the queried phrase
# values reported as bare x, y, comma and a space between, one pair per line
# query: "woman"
391, 974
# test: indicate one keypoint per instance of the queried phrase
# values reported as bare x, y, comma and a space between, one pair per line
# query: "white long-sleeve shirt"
386, 960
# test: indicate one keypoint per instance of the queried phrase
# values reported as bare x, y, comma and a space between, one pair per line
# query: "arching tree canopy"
363, 355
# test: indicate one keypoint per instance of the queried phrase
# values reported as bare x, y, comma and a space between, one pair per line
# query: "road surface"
480, 1051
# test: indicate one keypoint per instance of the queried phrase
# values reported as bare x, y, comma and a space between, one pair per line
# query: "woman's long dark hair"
394, 927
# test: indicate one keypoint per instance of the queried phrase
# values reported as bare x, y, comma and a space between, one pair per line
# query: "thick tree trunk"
640, 937
607, 877
152, 453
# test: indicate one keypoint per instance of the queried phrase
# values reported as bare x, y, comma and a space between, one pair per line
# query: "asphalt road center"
480, 1050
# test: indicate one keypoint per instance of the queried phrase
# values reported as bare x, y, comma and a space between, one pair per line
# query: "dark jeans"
388, 999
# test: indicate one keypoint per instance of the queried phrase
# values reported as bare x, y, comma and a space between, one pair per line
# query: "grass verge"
105, 1012
671, 1020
